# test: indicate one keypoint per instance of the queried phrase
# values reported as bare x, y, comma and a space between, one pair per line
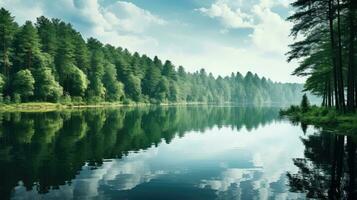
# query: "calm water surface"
199, 152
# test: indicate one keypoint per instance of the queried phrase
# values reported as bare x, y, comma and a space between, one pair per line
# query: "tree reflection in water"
328, 170
47, 150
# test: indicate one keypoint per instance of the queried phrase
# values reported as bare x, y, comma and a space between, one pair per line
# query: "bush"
291, 110
23, 84
154, 101
94, 99
77, 100
66, 99
46, 87
7, 99
17, 98
126, 101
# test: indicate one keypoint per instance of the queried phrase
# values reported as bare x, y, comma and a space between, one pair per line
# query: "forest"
327, 50
49, 61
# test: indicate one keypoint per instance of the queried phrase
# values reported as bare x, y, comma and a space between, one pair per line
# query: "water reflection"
328, 169
43, 151
193, 152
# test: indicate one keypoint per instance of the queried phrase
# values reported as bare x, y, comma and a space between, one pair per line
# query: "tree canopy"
326, 51
50, 61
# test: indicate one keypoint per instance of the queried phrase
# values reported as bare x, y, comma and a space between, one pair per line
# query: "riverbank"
327, 118
46, 106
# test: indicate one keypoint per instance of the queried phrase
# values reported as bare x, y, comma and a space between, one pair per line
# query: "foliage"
46, 87
115, 89
7, 31
23, 84
26, 47
67, 68
2, 84
305, 104
326, 49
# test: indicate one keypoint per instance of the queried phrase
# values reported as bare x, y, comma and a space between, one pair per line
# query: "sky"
221, 36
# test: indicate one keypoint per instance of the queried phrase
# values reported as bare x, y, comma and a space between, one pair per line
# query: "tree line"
50, 61
327, 52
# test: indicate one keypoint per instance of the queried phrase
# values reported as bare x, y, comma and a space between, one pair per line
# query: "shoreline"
326, 118
47, 107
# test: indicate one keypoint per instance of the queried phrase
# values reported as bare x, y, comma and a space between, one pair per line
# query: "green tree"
46, 87
27, 47
76, 81
151, 80
96, 88
305, 104
327, 49
23, 84
133, 88
114, 88
7, 31
82, 54
47, 34
162, 89
63, 63
169, 71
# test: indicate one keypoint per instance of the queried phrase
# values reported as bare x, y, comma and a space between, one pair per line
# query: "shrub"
17, 98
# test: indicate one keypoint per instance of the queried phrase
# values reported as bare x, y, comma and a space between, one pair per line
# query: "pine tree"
23, 84
96, 88
27, 48
7, 31
47, 33
305, 104
114, 88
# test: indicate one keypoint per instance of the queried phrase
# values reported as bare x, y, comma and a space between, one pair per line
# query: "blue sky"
222, 36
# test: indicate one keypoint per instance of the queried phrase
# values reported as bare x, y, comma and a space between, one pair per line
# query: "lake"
186, 152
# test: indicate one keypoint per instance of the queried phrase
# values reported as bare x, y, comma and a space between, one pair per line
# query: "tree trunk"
340, 67
324, 98
334, 62
351, 65
329, 96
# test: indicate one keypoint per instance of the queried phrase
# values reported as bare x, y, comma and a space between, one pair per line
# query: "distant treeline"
51, 61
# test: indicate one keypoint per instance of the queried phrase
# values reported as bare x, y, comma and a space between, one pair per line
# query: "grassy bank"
46, 106
327, 118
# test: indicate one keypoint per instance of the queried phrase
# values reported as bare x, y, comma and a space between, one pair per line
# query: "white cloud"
230, 18
270, 30
270, 157
128, 17
271, 34
21, 9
